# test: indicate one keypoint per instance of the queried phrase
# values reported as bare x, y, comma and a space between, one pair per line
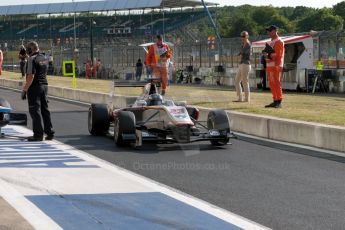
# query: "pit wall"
299, 132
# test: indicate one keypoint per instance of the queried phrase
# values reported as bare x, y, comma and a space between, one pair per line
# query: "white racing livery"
152, 118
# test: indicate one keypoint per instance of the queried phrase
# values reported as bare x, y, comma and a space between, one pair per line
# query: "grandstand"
117, 27
59, 28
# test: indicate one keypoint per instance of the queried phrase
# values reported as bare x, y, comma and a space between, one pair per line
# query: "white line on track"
340, 154
24, 207
40, 220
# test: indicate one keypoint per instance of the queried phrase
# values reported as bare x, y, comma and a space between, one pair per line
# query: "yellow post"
319, 65
319, 69
74, 81
68, 69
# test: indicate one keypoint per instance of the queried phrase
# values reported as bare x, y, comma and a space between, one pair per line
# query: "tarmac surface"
278, 186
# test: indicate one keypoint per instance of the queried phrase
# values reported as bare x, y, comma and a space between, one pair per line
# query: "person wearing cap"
243, 70
274, 67
157, 59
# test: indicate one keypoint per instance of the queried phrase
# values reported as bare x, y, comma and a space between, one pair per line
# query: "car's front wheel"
98, 119
124, 124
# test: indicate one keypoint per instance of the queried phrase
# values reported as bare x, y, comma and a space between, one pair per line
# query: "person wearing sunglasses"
244, 68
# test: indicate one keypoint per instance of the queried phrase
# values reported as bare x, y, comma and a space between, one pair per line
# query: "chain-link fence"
119, 56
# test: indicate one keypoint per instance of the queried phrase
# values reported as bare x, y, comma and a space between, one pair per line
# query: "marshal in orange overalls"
158, 58
274, 68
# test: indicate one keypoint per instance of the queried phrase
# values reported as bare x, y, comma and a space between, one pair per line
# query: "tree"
283, 23
301, 12
267, 15
322, 19
286, 11
262, 15
339, 9
240, 24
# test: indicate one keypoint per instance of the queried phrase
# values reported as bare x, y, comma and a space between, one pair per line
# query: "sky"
277, 3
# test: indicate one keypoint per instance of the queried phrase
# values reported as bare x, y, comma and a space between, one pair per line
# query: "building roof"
95, 6
286, 40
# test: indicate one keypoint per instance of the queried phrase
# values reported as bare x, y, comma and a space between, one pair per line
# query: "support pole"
220, 46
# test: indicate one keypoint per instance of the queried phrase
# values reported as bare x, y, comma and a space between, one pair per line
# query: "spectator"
148, 70
242, 75
94, 68
22, 60
138, 69
88, 69
98, 68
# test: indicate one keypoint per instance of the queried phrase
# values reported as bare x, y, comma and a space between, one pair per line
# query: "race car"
7, 117
153, 118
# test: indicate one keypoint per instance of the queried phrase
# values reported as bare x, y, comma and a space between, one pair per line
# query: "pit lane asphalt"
277, 186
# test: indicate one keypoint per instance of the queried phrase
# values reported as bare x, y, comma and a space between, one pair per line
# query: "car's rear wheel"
98, 119
219, 120
124, 124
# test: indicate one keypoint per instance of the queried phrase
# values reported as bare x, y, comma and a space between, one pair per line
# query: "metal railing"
121, 54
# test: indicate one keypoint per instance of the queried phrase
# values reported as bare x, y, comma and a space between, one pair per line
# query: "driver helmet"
155, 99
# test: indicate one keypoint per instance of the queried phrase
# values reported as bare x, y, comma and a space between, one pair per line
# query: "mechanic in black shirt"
36, 89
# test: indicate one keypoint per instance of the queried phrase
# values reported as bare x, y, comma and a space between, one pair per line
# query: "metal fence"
120, 57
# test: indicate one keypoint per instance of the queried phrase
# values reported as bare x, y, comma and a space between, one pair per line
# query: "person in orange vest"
1, 61
157, 59
274, 66
88, 69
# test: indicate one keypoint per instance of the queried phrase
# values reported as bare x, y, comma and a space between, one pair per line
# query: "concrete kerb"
306, 133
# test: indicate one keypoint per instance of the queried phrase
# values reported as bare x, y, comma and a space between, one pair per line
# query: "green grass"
324, 108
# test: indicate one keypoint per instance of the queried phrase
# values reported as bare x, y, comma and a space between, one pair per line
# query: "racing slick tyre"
219, 120
98, 119
124, 124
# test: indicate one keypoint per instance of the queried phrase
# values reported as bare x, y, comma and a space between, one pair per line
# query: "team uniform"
37, 96
274, 69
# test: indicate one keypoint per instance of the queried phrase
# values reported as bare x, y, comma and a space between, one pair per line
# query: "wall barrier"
306, 133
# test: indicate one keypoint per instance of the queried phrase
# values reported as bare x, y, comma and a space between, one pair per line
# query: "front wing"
182, 135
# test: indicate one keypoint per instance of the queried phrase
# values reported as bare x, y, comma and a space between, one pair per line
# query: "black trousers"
38, 105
